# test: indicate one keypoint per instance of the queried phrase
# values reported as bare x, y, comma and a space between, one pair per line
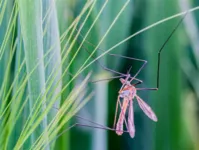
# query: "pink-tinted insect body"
119, 126
128, 93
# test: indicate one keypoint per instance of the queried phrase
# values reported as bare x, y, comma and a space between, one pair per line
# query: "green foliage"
29, 119
48, 56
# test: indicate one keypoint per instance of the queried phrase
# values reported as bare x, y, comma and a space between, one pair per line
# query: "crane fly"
127, 93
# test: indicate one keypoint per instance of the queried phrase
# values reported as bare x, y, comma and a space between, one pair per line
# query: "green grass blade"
122, 27
4, 26
5, 65
63, 14
32, 33
17, 103
52, 44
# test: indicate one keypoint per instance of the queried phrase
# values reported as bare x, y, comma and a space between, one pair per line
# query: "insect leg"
159, 56
116, 110
122, 119
111, 70
98, 126
78, 124
131, 58
122, 112
111, 54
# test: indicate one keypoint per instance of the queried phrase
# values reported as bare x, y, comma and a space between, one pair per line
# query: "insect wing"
131, 126
146, 109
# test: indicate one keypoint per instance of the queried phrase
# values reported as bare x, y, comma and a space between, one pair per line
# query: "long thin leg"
149, 89
84, 119
131, 58
143, 65
113, 71
159, 53
114, 77
116, 111
90, 121
78, 124
116, 55
122, 119
159, 56
99, 126
83, 125
122, 112
111, 78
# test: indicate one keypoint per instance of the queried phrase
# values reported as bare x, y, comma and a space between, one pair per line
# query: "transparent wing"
131, 126
146, 109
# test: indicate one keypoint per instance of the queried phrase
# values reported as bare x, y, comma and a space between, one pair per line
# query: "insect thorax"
128, 91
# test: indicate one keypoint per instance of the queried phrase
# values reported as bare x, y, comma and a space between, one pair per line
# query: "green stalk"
32, 33
52, 43
6, 52
4, 28
63, 7
122, 27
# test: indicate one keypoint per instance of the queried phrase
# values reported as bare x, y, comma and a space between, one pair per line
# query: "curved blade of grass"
4, 90
6, 53
84, 66
10, 20
91, 29
67, 110
51, 42
17, 98
63, 14
31, 27
31, 127
191, 29
20, 73
122, 27
77, 51
86, 6
4, 26
137, 33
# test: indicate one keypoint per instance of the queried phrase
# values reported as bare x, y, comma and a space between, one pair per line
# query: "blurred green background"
37, 47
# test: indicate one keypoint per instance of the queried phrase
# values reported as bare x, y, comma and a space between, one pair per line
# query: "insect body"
128, 93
